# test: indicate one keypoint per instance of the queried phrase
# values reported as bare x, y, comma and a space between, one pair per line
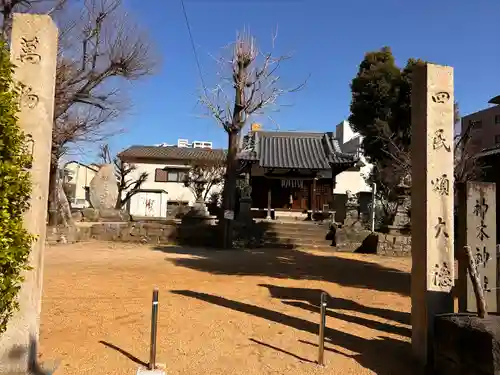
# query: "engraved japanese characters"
441, 277
481, 237
29, 48
28, 54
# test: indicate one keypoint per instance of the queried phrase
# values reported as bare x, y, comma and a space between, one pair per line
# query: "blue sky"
328, 40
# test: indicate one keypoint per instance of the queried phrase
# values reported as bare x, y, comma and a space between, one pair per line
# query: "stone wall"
364, 241
360, 241
143, 232
393, 245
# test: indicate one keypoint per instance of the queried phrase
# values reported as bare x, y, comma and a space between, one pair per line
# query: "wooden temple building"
292, 171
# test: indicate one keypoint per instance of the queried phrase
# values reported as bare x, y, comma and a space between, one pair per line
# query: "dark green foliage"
381, 113
15, 189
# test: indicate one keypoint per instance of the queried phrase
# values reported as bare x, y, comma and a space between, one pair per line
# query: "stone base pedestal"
466, 345
194, 220
245, 214
402, 219
113, 215
352, 217
199, 209
199, 215
398, 231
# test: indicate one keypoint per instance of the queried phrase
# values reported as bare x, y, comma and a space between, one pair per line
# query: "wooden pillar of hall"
313, 195
268, 204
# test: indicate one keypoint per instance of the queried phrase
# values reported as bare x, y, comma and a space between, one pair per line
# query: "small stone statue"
352, 199
247, 191
246, 188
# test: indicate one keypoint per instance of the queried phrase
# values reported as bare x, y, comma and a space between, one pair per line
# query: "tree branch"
254, 76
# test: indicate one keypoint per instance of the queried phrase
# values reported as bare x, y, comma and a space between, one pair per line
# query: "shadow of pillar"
34, 368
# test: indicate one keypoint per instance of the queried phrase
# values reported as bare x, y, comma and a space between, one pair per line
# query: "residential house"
166, 166
76, 181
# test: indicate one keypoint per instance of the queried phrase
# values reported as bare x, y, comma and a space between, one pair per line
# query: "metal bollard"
322, 324
154, 330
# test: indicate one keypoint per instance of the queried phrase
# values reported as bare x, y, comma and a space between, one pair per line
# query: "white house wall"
352, 180
81, 176
176, 191
149, 204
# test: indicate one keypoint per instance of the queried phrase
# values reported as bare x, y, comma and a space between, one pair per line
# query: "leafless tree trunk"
476, 283
255, 85
63, 205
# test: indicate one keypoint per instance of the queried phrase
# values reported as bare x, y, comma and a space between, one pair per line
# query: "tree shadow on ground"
384, 356
293, 264
309, 299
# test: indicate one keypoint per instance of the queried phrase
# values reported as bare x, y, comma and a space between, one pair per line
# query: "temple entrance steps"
302, 234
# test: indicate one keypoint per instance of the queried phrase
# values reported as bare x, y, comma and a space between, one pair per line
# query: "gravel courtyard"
248, 312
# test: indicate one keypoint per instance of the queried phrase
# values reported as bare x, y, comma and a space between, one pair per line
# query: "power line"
193, 47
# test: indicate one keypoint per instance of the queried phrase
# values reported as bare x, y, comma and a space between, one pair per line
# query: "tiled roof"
295, 150
172, 153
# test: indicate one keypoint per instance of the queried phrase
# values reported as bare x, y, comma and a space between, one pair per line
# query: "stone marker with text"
477, 229
34, 53
432, 202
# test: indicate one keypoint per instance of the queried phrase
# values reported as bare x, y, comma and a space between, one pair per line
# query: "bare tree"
99, 50
202, 177
127, 186
9, 7
466, 167
255, 81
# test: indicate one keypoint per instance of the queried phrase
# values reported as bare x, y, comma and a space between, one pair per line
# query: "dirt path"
240, 312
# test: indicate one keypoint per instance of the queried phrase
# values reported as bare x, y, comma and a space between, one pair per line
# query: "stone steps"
298, 246
297, 235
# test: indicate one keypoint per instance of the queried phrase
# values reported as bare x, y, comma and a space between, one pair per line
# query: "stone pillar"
245, 212
34, 52
477, 229
432, 274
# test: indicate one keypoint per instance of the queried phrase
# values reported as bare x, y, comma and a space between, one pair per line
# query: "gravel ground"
223, 312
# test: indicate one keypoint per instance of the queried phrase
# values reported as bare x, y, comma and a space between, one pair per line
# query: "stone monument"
103, 189
34, 52
432, 274
352, 210
477, 229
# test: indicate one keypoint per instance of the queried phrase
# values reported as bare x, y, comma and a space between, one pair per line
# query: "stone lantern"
402, 220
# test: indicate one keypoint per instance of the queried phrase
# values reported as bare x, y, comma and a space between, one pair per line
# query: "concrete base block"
144, 371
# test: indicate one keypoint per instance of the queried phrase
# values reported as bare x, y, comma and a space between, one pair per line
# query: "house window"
172, 175
497, 119
497, 139
169, 175
475, 124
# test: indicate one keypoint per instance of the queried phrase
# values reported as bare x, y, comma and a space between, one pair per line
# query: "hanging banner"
292, 183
